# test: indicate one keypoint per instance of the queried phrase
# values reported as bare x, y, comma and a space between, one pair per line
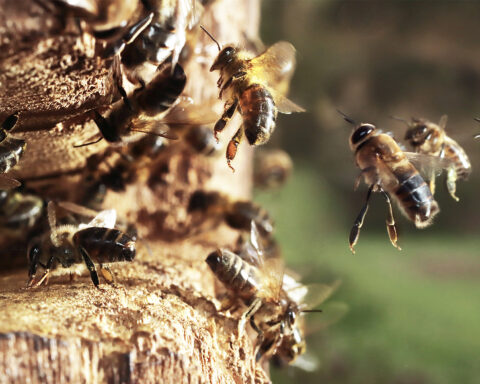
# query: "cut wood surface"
161, 322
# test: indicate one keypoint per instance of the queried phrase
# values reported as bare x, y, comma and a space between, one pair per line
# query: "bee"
388, 170
238, 214
140, 113
274, 308
431, 139
201, 140
20, 210
272, 168
68, 245
251, 85
11, 151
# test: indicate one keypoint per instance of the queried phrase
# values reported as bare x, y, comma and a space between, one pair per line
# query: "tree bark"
161, 321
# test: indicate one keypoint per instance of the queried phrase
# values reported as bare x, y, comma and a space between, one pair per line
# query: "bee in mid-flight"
275, 306
252, 85
67, 245
20, 211
272, 168
11, 150
387, 169
429, 138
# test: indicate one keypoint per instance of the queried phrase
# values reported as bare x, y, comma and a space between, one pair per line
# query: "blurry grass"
414, 315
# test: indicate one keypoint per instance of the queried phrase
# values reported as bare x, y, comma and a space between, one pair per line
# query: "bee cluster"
400, 175
149, 120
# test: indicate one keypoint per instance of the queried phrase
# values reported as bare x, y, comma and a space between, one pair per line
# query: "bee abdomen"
415, 197
106, 245
11, 150
235, 273
259, 114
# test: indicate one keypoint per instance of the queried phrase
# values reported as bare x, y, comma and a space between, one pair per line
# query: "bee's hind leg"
91, 267
357, 225
252, 309
229, 110
232, 147
451, 183
391, 228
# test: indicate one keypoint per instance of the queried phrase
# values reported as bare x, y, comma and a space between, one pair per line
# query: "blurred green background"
414, 315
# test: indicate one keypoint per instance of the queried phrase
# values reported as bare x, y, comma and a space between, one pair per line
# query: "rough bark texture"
161, 322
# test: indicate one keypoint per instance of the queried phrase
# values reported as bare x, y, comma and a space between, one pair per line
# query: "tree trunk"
161, 321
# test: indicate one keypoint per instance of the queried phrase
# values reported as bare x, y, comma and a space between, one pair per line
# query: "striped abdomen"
235, 273
454, 152
259, 114
414, 196
11, 150
105, 245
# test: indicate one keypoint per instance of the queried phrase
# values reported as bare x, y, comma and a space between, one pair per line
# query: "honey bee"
429, 138
11, 150
20, 211
140, 113
201, 140
238, 214
67, 245
251, 85
272, 168
388, 170
274, 307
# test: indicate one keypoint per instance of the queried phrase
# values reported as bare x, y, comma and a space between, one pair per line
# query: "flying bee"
274, 307
140, 112
67, 245
20, 210
272, 168
388, 170
251, 85
11, 150
238, 214
431, 139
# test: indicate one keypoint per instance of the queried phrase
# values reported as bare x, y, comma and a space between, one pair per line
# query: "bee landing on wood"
11, 151
67, 245
388, 170
274, 307
429, 138
252, 85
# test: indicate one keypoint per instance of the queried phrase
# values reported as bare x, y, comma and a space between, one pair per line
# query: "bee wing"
187, 113
429, 165
306, 362
275, 66
272, 270
331, 313
285, 105
105, 219
77, 209
8, 183
443, 121
153, 127
311, 295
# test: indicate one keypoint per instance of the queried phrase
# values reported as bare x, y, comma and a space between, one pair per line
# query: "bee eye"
227, 54
362, 132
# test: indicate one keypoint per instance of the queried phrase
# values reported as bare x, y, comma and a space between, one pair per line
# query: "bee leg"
90, 266
432, 182
391, 229
260, 339
357, 225
227, 115
123, 93
359, 177
107, 274
44, 277
232, 147
229, 82
251, 310
451, 183
33, 257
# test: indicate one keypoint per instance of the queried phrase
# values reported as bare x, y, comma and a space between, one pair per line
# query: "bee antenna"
346, 118
89, 143
210, 35
312, 311
399, 119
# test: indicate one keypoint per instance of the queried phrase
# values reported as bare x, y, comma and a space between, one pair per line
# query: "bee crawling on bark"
275, 305
429, 138
389, 170
68, 245
253, 85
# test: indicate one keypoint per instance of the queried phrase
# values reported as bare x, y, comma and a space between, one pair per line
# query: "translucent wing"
153, 127
285, 105
443, 121
429, 165
311, 295
8, 183
306, 362
272, 271
105, 219
275, 66
187, 113
331, 313
77, 209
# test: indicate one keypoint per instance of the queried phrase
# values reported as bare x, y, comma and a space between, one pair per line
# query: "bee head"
225, 56
218, 260
417, 132
360, 134
292, 345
